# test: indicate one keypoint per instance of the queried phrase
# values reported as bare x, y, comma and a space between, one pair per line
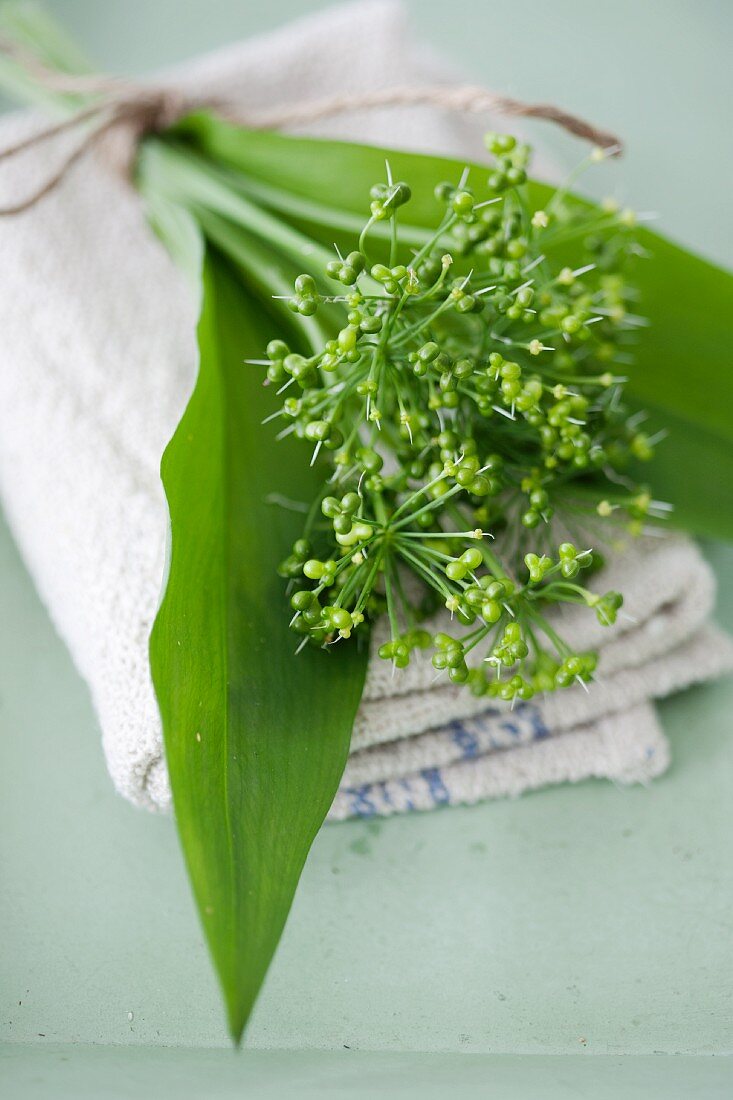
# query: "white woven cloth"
421, 742
98, 359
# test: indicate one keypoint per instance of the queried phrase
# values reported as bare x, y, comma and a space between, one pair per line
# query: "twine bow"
122, 112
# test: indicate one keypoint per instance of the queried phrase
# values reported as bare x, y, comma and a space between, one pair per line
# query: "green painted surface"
576, 922
93, 1072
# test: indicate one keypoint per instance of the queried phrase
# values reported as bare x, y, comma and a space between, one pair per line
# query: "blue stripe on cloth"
526, 715
371, 799
360, 800
436, 787
384, 791
407, 788
466, 741
539, 729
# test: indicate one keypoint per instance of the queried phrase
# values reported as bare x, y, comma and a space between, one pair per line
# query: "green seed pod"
472, 557
369, 460
458, 675
277, 350
314, 569
301, 601
342, 524
480, 486
347, 338
475, 596
491, 611
305, 285
462, 203
317, 430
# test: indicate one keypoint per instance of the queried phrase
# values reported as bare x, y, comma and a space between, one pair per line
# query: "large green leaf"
683, 364
256, 738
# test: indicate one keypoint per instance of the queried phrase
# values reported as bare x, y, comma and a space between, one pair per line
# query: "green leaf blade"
256, 739
684, 360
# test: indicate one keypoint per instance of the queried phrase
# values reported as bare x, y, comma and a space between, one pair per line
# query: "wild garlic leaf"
256, 738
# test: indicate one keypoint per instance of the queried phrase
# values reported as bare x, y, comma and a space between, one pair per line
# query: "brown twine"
124, 112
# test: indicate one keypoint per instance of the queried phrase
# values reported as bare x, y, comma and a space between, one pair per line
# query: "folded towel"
420, 741
98, 352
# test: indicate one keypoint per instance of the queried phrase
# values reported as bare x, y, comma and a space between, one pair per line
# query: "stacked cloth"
98, 360
420, 742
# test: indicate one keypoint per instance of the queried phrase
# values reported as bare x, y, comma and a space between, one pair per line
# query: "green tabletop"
517, 948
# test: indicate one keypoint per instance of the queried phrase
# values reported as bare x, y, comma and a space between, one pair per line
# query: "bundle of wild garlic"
460, 368
474, 393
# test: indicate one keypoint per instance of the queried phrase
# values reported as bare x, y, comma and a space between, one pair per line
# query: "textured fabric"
98, 359
418, 744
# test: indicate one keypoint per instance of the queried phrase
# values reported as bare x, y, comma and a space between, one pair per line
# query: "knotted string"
123, 112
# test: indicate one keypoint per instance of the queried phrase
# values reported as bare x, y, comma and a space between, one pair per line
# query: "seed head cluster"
469, 409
